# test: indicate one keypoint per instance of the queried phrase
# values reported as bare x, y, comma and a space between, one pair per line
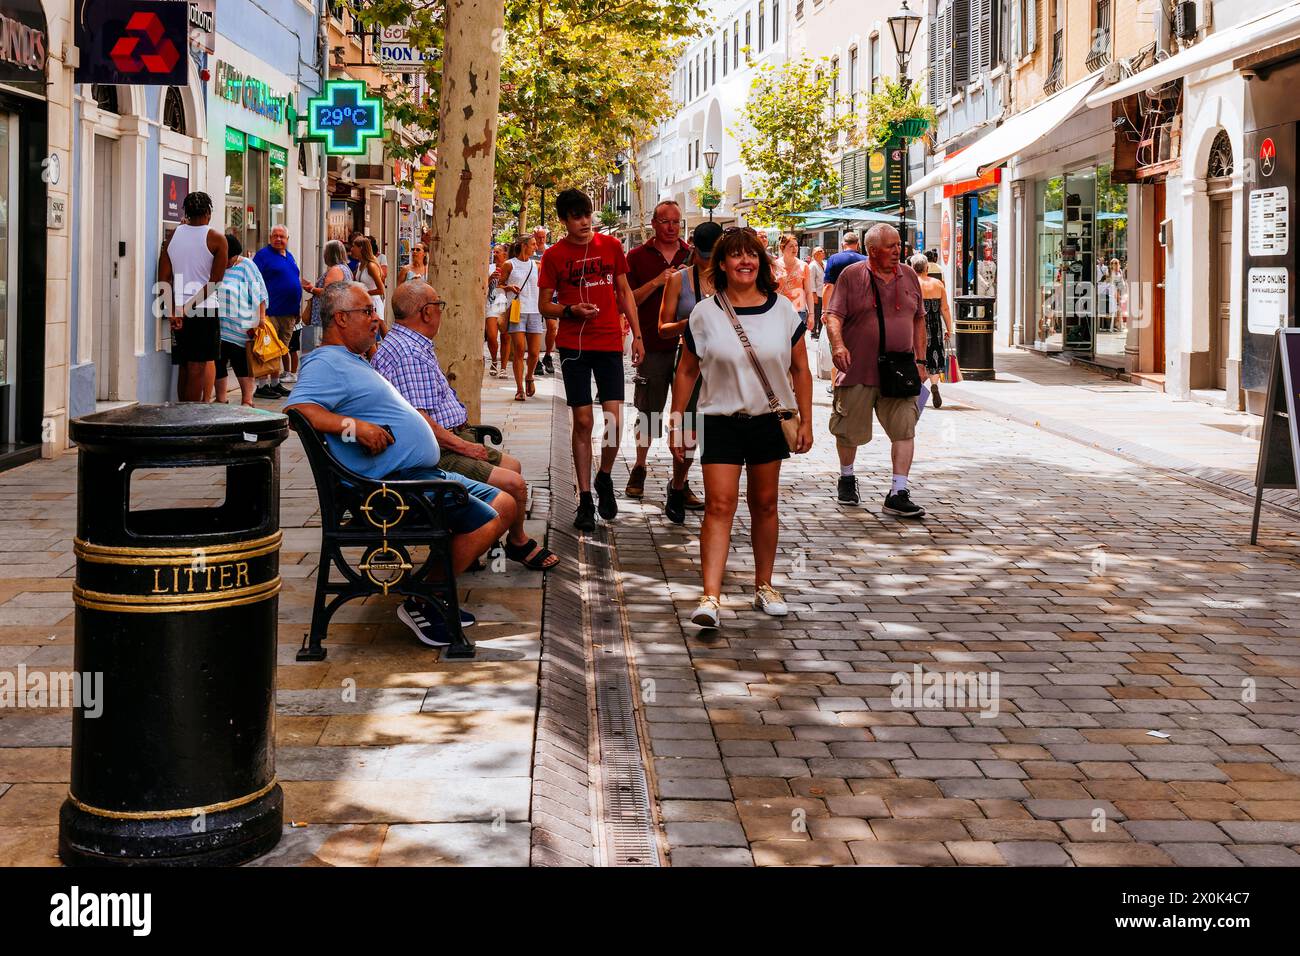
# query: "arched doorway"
1218, 187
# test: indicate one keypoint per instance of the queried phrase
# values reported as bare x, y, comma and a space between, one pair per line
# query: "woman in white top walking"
370, 274
527, 329
739, 428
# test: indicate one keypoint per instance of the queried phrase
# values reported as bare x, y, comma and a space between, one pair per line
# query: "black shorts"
235, 357
197, 340
579, 367
728, 440
295, 341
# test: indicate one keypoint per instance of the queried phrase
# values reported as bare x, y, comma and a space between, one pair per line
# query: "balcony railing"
1056, 74
1099, 51
798, 8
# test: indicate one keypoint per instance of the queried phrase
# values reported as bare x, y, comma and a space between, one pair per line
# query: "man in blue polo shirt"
372, 430
837, 263
284, 288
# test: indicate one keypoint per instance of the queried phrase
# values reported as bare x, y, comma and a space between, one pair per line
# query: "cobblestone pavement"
386, 754
1109, 600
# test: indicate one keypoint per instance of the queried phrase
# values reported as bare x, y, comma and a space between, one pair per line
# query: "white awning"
1015, 135
1240, 40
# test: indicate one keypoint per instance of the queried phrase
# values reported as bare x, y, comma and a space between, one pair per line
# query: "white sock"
899, 484
846, 471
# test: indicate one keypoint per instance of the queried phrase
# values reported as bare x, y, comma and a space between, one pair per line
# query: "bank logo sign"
24, 44
133, 42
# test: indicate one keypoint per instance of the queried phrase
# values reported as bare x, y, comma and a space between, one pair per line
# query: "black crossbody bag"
898, 375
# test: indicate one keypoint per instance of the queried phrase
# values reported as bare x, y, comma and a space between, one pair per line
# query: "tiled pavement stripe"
561, 804
1230, 484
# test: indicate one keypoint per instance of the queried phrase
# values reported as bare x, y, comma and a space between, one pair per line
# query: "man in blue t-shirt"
372, 430
837, 264
284, 288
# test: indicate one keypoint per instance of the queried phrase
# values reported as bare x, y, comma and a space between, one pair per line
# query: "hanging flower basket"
911, 128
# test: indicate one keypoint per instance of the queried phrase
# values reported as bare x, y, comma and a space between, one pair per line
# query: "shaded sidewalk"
386, 753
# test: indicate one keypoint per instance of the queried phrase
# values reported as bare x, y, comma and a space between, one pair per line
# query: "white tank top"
191, 263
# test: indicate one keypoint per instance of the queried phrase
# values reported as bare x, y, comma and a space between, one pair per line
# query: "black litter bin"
176, 609
974, 323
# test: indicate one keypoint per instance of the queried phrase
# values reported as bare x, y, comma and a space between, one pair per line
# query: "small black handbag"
898, 375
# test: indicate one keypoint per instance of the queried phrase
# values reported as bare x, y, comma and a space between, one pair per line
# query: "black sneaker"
900, 505
675, 506
586, 517
550, 366
280, 390
848, 490
265, 391
426, 624
604, 488
935, 398
539, 371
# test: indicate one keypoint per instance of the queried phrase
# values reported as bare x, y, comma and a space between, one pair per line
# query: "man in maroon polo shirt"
649, 267
851, 321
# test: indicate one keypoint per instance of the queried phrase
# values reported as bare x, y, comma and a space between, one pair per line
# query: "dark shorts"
578, 369
235, 357
654, 378
197, 340
462, 519
295, 341
728, 440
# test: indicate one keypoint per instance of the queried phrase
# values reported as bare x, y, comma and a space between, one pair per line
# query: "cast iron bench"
385, 519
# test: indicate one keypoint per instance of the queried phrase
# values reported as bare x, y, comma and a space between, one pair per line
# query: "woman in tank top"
369, 274
938, 324
685, 288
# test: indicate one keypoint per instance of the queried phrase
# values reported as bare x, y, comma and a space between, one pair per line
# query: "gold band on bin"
172, 814
216, 553
170, 603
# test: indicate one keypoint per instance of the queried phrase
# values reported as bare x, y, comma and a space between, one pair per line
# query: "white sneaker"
290, 378
769, 600
708, 613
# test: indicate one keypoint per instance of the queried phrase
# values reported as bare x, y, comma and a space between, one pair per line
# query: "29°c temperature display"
345, 118
336, 116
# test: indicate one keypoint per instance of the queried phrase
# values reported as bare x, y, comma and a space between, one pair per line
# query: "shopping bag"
954, 370
265, 352
825, 364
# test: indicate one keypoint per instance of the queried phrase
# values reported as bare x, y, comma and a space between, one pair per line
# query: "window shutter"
960, 26
943, 50
986, 27
976, 39
1031, 26
1016, 34
932, 83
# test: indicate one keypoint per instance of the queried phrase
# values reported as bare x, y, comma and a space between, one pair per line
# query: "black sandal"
524, 554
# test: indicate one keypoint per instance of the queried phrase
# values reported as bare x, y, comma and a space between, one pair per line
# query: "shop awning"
1223, 45
1018, 133
824, 217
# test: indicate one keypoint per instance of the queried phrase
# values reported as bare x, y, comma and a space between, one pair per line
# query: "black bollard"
974, 322
176, 608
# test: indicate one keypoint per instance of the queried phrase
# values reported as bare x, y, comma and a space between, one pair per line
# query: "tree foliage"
581, 81
790, 137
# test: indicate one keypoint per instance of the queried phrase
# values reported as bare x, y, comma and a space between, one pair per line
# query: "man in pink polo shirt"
851, 322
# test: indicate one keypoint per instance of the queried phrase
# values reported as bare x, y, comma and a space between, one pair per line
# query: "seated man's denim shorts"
463, 519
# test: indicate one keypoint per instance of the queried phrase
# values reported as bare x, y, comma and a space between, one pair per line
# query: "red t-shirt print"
587, 273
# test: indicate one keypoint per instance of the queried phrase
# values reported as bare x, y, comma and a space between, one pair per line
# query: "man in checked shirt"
407, 359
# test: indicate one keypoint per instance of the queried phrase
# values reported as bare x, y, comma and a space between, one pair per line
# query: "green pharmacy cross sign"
345, 118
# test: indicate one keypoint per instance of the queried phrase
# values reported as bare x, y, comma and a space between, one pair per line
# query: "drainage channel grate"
627, 819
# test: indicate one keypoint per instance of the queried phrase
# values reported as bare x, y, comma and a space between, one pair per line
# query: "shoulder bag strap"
880, 313
721, 299
695, 279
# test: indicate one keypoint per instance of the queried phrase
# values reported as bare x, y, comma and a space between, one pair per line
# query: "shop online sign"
394, 53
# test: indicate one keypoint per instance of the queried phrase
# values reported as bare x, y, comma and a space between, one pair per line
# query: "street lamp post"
904, 25
711, 160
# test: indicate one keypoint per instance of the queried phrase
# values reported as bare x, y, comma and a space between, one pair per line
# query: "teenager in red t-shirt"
588, 273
